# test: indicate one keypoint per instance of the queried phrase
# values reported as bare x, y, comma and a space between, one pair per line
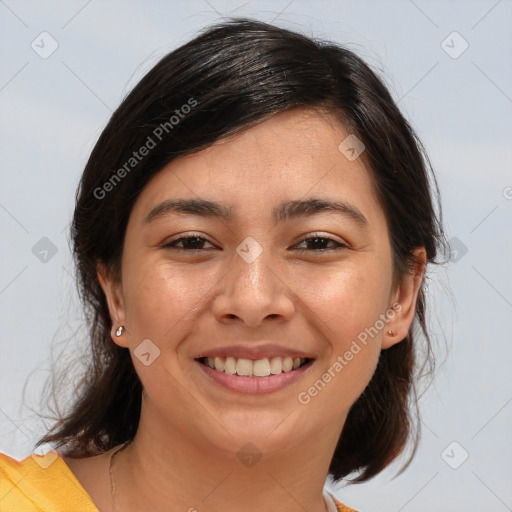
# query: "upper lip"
254, 351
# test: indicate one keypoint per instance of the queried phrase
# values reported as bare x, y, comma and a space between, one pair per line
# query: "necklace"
112, 484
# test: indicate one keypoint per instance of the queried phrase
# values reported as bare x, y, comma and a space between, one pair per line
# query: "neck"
163, 470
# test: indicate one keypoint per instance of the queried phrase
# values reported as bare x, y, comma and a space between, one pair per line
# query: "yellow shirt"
45, 483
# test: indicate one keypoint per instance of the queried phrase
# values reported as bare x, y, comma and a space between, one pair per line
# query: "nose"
253, 292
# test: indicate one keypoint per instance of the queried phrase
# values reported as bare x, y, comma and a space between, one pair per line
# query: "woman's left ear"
404, 302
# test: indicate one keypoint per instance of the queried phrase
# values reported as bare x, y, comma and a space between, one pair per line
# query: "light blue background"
54, 109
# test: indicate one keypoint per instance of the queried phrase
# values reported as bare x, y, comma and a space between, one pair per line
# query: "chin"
268, 431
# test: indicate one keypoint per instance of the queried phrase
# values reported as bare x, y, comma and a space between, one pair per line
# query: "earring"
119, 330
390, 333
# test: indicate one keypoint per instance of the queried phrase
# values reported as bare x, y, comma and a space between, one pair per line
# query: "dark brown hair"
231, 76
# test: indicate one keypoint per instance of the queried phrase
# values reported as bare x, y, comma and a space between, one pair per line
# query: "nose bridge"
253, 277
253, 290
252, 263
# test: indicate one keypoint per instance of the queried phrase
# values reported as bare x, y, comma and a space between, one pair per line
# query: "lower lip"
255, 385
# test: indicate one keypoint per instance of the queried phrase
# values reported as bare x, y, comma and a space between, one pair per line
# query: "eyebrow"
282, 212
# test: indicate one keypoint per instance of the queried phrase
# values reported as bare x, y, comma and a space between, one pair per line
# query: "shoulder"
343, 508
337, 506
333, 505
40, 482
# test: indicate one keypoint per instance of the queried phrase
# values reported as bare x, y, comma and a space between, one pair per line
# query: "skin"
184, 456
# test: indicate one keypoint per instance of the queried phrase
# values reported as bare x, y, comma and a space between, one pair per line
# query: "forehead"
293, 154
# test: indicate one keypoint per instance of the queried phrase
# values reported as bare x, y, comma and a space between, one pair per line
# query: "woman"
251, 234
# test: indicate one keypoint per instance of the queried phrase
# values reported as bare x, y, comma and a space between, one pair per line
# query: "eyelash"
171, 245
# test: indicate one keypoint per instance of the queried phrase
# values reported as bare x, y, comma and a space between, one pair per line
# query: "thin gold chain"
112, 484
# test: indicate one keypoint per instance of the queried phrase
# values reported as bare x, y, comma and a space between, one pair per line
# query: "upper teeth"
259, 368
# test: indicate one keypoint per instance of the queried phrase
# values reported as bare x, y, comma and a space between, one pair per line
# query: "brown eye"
188, 243
318, 243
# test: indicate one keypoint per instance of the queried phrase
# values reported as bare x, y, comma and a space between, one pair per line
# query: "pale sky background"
53, 109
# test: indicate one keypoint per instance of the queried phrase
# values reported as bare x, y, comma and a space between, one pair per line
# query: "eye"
317, 244
196, 243
188, 243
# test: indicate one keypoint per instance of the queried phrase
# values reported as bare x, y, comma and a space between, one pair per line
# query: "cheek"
347, 306
162, 304
345, 301
161, 300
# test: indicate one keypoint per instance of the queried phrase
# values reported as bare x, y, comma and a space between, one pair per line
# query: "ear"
403, 301
113, 291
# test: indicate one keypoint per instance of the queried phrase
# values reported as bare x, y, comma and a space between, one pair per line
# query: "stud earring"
119, 330
390, 333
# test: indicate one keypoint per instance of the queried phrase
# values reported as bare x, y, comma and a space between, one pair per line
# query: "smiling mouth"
265, 367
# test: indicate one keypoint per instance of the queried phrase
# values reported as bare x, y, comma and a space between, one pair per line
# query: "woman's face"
259, 272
